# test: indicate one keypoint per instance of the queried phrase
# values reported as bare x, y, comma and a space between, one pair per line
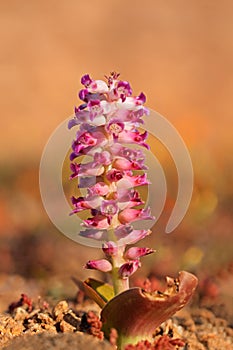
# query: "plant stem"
119, 284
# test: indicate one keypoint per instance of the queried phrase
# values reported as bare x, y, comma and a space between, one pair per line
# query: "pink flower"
122, 231
86, 80
84, 116
103, 157
84, 95
94, 109
123, 87
110, 249
131, 103
125, 164
79, 204
137, 252
141, 98
131, 215
98, 221
93, 201
128, 181
125, 234
95, 233
133, 237
86, 169
98, 86
129, 268
75, 169
83, 140
100, 265
109, 207
131, 154
133, 137
80, 117
128, 199
114, 175
115, 127
99, 188
89, 202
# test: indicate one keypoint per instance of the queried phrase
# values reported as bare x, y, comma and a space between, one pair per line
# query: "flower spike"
108, 121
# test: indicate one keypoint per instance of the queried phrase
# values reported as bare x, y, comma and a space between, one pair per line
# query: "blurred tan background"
179, 52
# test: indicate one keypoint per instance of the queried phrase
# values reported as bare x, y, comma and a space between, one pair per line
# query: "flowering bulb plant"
108, 120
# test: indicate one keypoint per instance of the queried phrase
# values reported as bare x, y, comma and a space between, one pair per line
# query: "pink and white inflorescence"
107, 123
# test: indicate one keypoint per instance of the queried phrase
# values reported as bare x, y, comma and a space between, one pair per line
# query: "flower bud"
110, 249
86, 80
130, 215
101, 265
129, 268
137, 252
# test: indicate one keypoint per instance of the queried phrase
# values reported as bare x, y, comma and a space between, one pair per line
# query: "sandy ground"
64, 327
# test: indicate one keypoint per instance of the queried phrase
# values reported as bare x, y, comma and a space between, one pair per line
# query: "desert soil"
64, 326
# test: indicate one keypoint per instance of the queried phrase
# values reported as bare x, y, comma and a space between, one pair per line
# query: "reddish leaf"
135, 314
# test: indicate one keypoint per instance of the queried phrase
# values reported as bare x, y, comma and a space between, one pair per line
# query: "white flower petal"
100, 120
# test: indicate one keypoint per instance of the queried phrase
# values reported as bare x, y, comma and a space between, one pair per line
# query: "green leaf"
98, 291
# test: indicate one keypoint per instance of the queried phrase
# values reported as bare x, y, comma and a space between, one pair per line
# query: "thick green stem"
119, 284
